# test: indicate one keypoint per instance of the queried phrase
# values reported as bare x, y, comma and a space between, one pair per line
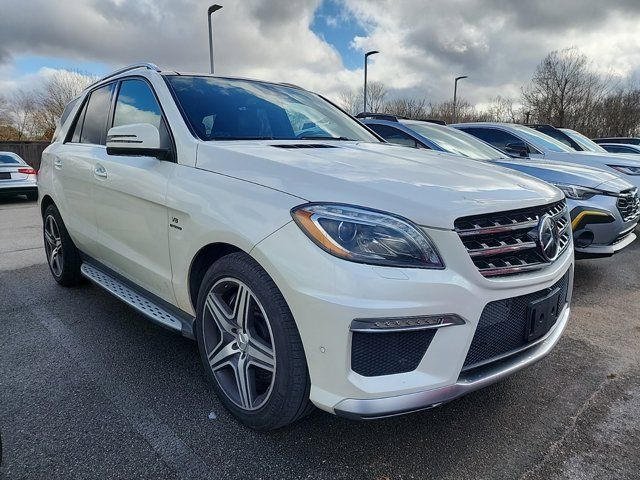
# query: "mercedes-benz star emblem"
549, 238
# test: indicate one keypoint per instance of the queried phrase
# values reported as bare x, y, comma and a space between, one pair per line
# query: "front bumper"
325, 294
599, 220
467, 382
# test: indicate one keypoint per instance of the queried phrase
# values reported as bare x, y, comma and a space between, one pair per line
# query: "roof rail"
135, 66
379, 116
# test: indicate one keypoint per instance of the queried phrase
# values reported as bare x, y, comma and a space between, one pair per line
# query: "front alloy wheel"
239, 343
250, 345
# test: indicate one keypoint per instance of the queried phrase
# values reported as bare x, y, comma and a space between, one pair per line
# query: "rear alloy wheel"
250, 346
53, 245
62, 255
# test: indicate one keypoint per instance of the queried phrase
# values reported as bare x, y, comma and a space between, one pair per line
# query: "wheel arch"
44, 204
205, 257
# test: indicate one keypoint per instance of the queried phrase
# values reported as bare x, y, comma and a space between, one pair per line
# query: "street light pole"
212, 8
455, 95
366, 58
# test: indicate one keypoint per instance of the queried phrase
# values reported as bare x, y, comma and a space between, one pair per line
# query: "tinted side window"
393, 135
94, 128
136, 103
493, 136
77, 128
619, 149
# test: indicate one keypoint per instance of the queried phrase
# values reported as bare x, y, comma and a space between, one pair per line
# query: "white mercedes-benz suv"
313, 263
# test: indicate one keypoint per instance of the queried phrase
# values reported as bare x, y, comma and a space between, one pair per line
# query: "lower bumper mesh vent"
503, 324
374, 354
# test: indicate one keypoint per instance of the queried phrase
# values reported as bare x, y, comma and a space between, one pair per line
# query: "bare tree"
376, 95
57, 91
22, 110
414, 108
502, 109
350, 101
564, 89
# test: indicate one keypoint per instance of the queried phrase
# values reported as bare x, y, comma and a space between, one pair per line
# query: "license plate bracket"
542, 315
5, 176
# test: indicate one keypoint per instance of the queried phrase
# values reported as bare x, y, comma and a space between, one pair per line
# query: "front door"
130, 199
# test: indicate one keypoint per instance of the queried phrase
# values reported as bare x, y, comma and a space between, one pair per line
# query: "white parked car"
521, 141
314, 264
17, 177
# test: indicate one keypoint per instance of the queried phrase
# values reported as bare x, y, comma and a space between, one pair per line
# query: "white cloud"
424, 44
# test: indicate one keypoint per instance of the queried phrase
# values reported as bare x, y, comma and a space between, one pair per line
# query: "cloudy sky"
319, 44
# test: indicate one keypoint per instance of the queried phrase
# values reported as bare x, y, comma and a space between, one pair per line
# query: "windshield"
9, 159
540, 140
586, 143
455, 141
232, 109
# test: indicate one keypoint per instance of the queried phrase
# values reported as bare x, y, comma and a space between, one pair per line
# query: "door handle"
57, 163
100, 171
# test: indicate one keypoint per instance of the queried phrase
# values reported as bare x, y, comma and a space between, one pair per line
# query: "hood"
430, 188
568, 173
595, 158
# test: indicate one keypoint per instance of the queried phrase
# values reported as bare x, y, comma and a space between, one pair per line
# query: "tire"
259, 350
65, 264
32, 196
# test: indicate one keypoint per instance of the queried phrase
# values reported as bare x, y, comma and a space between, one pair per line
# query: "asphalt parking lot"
90, 389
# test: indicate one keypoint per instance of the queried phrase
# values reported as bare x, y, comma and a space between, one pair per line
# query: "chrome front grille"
629, 205
506, 243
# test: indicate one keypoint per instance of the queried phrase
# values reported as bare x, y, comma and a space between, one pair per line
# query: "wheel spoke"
220, 356
223, 320
49, 238
243, 378
241, 306
261, 355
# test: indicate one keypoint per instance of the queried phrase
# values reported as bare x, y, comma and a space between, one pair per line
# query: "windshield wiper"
320, 137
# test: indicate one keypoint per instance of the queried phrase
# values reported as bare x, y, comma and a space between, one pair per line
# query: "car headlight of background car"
576, 192
627, 170
367, 236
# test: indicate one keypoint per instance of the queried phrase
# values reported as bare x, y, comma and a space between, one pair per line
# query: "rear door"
130, 197
74, 163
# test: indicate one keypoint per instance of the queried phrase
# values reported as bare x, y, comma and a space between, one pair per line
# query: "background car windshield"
542, 141
6, 159
586, 143
455, 141
231, 109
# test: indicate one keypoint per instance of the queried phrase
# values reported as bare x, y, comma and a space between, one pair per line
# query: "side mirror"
517, 148
135, 139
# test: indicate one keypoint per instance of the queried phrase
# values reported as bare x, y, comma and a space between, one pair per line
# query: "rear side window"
493, 136
393, 135
619, 149
77, 129
94, 126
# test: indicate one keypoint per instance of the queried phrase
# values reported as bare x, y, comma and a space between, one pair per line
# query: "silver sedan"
17, 177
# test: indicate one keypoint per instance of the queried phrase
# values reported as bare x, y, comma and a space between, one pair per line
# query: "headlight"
576, 192
367, 236
626, 170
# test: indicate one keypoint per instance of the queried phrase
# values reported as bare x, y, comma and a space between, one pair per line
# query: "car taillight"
28, 171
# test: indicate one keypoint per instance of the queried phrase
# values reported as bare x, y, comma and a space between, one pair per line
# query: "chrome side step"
141, 303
